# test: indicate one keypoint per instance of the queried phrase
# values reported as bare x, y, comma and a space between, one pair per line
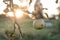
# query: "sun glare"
19, 13
10, 14
49, 4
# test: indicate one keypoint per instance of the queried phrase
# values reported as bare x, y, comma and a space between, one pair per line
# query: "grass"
29, 33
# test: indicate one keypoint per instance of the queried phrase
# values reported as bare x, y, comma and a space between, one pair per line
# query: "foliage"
29, 32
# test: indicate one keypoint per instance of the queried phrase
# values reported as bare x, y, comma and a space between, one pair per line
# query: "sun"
19, 13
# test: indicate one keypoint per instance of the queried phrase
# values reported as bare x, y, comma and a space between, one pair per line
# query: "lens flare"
19, 13
49, 4
10, 14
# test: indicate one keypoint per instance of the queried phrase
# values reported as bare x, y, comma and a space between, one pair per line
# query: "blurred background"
38, 19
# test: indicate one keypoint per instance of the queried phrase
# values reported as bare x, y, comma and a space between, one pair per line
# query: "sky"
2, 6
50, 4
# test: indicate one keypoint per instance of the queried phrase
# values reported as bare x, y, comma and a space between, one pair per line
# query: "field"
29, 32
